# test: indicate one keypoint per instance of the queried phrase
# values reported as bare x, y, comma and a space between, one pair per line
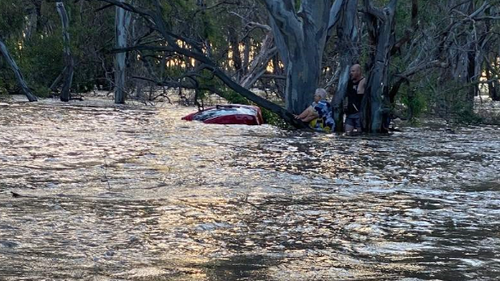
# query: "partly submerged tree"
17, 72
301, 33
69, 63
122, 24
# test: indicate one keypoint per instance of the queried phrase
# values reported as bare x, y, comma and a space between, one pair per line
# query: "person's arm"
361, 87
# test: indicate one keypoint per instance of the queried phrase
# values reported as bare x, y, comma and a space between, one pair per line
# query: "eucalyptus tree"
11, 25
301, 31
13, 65
183, 46
348, 47
381, 32
122, 25
31, 31
446, 51
69, 66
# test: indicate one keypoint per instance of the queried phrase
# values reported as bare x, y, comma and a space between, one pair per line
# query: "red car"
228, 114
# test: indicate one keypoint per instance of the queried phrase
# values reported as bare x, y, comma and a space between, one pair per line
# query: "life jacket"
324, 122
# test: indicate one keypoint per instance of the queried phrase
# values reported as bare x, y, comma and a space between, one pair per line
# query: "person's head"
320, 94
356, 72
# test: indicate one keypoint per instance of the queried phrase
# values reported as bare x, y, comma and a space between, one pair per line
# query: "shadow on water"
132, 193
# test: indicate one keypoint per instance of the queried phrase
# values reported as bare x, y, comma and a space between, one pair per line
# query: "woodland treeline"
418, 55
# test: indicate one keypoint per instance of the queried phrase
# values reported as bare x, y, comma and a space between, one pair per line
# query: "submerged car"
228, 114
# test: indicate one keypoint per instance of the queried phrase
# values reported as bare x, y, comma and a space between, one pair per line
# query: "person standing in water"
355, 94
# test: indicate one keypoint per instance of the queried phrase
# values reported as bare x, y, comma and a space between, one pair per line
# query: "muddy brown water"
134, 193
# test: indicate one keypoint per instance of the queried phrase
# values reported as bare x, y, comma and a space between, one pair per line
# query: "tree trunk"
377, 83
302, 74
246, 55
471, 61
259, 63
235, 52
10, 61
348, 48
493, 84
300, 37
156, 17
122, 21
409, 33
40, 19
68, 58
471, 77
490, 61
496, 84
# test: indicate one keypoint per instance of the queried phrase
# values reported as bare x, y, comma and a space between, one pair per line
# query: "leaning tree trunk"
301, 37
122, 21
348, 47
10, 61
376, 86
68, 58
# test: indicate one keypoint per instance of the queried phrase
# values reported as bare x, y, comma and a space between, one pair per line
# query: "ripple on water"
133, 193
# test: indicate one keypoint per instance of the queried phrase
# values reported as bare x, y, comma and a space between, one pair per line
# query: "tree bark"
490, 61
409, 33
122, 21
235, 52
493, 84
68, 58
348, 48
300, 37
246, 55
17, 72
377, 83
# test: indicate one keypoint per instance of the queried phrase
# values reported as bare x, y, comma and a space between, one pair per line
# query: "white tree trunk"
68, 58
20, 79
377, 84
348, 47
122, 22
301, 37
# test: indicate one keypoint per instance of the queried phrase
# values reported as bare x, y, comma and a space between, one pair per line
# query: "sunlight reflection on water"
133, 193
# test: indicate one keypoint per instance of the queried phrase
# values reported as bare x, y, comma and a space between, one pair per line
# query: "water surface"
133, 193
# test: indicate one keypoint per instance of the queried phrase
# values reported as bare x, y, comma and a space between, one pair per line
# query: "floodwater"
90, 191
